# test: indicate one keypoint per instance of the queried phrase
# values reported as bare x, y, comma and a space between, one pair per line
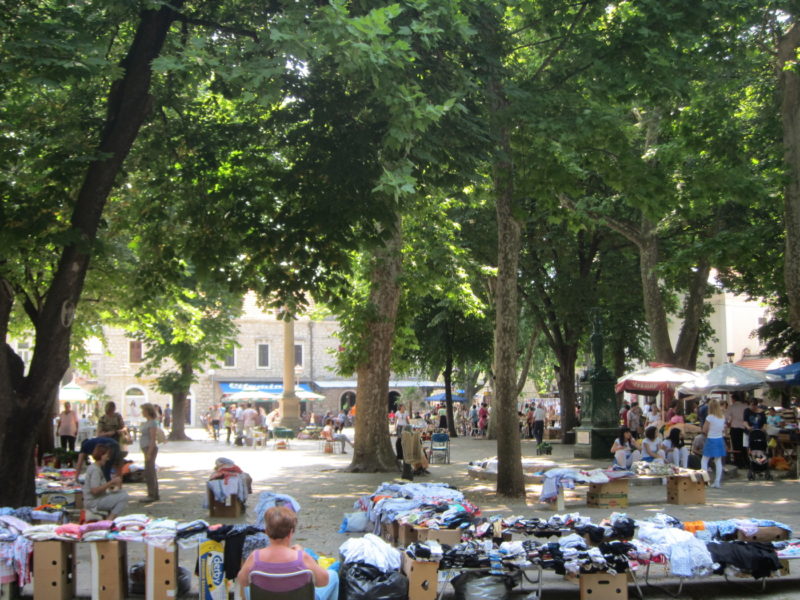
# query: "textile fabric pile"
18, 534
619, 544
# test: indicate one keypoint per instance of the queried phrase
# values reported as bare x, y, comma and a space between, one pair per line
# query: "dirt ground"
325, 493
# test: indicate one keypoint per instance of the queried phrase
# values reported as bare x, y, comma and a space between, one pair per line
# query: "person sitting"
87, 450
329, 435
675, 448
651, 445
624, 449
100, 494
282, 557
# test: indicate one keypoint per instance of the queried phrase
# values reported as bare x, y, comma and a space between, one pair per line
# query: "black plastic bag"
137, 577
473, 585
360, 581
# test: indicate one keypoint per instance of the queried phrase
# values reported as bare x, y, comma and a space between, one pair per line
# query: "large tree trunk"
178, 431
510, 479
789, 87
373, 448
23, 409
688, 343
567, 356
448, 396
654, 310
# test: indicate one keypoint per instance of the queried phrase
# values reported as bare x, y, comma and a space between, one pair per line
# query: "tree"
182, 329
447, 336
560, 273
262, 50
785, 25
25, 401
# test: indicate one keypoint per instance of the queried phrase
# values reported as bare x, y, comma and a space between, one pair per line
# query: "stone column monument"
599, 415
289, 404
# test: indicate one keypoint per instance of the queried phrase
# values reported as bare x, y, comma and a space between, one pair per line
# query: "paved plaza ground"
325, 493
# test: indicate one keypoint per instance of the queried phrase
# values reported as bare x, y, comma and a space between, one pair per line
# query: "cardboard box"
9, 591
53, 570
109, 570
406, 534
764, 534
451, 537
422, 578
613, 494
161, 573
682, 490
232, 510
68, 499
390, 531
603, 586
212, 571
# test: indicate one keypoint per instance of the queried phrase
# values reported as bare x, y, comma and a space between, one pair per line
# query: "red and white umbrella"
651, 380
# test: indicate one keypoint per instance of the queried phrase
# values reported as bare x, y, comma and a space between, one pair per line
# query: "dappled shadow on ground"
326, 493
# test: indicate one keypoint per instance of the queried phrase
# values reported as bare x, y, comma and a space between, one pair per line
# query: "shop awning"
762, 363
441, 397
393, 383
257, 387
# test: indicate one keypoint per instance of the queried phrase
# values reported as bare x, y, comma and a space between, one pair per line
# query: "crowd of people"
725, 428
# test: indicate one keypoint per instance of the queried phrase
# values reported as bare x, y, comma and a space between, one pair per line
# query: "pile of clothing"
560, 478
227, 480
657, 468
729, 528
620, 543
435, 505
534, 526
47, 513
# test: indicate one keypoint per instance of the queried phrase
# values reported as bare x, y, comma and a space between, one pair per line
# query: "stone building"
255, 365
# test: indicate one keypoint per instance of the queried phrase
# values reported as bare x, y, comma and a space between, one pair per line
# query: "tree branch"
219, 27
550, 57
526, 363
624, 228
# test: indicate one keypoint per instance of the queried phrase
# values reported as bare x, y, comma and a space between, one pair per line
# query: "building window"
298, 355
230, 360
134, 352
263, 356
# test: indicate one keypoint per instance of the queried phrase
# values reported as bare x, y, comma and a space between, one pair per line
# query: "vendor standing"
68, 427
111, 424
442, 413
539, 415
401, 421
634, 420
735, 419
149, 446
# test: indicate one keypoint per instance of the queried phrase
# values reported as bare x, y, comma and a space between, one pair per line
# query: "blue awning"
790, 375
441, 397
264, 387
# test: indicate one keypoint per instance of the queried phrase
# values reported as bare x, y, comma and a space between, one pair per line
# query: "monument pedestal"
290, 413
595, 442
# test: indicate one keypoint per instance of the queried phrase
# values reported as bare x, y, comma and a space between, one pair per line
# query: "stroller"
757, 453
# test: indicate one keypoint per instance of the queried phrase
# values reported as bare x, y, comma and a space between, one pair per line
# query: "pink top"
68, 423
282, 584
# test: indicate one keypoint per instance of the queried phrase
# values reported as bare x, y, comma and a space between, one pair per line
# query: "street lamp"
730, 356
710, 360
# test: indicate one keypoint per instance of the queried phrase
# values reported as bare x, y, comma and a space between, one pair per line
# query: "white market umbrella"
72, 392
306, 395
728, 377
654, 379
